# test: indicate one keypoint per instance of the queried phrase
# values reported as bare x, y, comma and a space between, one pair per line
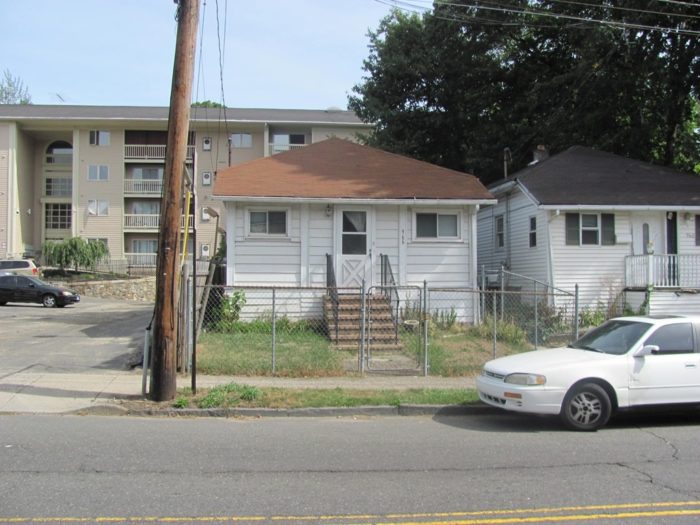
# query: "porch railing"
149, 221
662, 271
150, 151
390, 292
279, 148
143, 186
332, 290
143, 260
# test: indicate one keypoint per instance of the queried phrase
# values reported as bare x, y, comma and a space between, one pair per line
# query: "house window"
267, 222
98, 173
500, 229
98, 207
533, 232
590, 228
436, 226
58, 187
57, 216
144, 245
697, 230
59, 152
150, 207
99, 138
354, 233
103, 240
242, 140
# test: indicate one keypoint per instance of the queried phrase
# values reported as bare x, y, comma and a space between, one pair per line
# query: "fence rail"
662, 271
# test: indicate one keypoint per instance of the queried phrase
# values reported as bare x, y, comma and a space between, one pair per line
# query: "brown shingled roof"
337, 168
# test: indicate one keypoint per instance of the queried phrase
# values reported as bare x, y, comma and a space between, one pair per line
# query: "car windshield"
612, 337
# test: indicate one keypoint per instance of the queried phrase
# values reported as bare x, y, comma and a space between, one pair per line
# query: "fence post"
482, 298
363, 299
576, 312
494, 323
537, 320
426, 326
274, 330
503, 289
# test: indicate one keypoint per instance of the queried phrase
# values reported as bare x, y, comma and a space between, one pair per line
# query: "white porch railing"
150, 151
279, 148
140, 186
149, 221
662, 271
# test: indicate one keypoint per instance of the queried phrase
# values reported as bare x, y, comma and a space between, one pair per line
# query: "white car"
626, 362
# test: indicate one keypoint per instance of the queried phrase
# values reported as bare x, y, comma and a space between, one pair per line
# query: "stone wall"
142, 289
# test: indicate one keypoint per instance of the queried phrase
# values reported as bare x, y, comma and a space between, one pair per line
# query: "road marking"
483, 517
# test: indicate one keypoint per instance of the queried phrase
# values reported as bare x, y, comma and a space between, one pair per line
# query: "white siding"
516, 255
598, 270
320, 243
672, 303
686, 234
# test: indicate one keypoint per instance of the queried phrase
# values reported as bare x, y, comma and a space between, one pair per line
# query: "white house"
617, 227
336, 207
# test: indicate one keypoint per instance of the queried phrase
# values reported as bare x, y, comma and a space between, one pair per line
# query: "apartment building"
97, 172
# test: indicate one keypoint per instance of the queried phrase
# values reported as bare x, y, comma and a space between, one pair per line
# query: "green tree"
458, 84
75, 252
13, 90
207, 104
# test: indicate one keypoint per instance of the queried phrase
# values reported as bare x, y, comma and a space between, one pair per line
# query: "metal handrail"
388, 286
332, 290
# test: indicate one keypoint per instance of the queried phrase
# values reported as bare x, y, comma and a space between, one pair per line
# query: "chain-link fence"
320, 331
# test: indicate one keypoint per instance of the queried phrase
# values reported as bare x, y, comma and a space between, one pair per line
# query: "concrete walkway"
48, 390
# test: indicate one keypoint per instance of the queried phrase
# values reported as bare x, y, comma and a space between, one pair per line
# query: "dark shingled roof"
340, 169
584, 176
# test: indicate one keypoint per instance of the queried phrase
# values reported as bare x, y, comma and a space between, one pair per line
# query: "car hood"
540, 361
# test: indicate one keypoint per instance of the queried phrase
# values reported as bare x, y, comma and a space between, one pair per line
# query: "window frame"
532, 234
438, 213
243, 144
99, 169
267, 235
68, 216
499, 232
99, 205
604, 229
99, 137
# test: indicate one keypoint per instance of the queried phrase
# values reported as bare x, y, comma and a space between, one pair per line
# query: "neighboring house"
97, 172
604, 222
337, 206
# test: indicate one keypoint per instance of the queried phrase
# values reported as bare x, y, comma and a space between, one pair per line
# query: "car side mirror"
647, 350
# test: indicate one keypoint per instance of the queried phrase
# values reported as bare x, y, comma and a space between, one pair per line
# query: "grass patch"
246, 396
298, 354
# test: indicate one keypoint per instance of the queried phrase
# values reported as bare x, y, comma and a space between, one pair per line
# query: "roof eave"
349, 200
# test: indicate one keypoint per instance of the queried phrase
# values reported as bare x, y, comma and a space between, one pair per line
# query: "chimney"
541, 153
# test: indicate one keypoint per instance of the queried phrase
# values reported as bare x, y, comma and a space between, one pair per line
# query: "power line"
412, 6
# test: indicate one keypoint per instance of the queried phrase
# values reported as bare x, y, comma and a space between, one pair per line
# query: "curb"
361, 411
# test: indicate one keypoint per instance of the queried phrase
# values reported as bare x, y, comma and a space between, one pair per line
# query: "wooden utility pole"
163, 383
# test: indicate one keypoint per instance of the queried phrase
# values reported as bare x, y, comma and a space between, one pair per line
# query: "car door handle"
691, 365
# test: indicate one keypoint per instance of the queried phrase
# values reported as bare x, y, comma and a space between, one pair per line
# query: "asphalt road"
93, 334
502, 468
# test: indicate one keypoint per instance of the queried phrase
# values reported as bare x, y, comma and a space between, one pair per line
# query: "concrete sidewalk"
47, 390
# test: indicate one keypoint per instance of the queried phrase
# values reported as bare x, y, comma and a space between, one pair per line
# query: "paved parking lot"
96, 334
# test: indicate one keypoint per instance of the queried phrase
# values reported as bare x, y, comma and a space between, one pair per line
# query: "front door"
648, 233
354, 247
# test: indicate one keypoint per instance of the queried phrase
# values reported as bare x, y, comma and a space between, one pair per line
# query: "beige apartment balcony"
143, 187
150, 152
279, 148
142, 260
145, 222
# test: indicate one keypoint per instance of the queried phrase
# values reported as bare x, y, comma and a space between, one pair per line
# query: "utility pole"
164, 384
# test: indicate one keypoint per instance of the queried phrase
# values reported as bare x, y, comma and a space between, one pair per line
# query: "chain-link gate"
393, 330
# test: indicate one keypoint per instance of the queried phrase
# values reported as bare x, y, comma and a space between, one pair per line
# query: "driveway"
96, 334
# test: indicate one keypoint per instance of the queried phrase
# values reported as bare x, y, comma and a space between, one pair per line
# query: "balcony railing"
150, 151
662, 271
279, 148
142, 221
143, 187
142, 260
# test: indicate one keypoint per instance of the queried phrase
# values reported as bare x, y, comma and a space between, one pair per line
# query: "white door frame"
351, 269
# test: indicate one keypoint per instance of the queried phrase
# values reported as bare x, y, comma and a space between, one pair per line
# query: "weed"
181, 402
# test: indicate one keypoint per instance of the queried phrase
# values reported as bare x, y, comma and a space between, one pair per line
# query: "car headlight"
66, 292
525, 379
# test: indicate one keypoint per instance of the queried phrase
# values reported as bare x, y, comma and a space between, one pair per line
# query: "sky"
296, 54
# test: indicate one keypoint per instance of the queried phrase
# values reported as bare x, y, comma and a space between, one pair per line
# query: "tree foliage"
457, 85
75, 252
13, 90
207, 104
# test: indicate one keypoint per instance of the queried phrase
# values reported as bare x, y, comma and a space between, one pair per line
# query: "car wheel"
586, 407
48, 300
